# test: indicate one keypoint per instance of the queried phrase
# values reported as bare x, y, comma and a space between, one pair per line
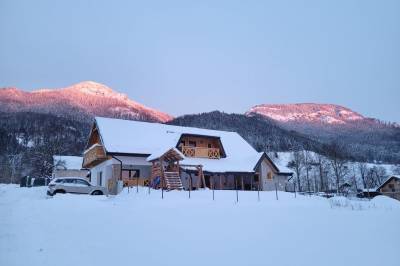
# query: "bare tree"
297, 164
338, 162
363, 170
396, 169
323, 168
377, 175
307, 165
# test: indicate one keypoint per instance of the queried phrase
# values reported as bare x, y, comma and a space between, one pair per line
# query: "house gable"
95, 151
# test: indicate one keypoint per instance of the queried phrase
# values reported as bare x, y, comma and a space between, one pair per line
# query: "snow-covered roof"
160, 152
387, 179
282, 161
68, 162
133, 137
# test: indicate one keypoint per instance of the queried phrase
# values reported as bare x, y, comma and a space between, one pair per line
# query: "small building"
391, 187
68, 166
159, 155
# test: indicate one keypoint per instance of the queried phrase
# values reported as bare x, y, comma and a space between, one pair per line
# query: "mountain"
263, 134
309, 113
365, 138
82, 100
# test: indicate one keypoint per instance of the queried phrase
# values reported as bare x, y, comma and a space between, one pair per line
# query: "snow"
308, 112
285, 157
150, 138
160, 152
68, 162
142, 229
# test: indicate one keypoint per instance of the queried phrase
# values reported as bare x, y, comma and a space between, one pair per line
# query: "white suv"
75, 185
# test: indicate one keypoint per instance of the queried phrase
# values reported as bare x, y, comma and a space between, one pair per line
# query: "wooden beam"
162, 171
202, 177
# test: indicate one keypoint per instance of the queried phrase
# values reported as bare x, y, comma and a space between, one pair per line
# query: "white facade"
103, 172
269, 179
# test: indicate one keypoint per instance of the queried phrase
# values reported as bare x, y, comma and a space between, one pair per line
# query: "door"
81, 186
70, 185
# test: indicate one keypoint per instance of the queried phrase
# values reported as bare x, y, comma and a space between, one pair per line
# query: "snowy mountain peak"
88, 98
93, 88
307, 112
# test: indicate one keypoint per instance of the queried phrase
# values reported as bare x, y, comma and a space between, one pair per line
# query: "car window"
69, 181
59, 181
81, 182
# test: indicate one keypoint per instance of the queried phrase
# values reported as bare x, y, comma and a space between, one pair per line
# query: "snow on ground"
142, 229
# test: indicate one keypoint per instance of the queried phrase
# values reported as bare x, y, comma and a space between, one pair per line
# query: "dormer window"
201, 146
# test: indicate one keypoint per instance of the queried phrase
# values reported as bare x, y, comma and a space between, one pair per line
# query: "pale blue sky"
196, 56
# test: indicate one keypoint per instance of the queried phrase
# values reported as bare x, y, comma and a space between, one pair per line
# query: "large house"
123, 152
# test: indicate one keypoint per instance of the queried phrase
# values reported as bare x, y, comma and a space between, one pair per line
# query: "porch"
200, 152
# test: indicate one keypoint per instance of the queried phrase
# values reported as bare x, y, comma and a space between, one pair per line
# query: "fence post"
162, 187
295, 189
137, 185
258, 189
213, 186
190, 184
237, 192
276, 191
148, 184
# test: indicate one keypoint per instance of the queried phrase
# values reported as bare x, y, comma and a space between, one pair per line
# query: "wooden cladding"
156, 170
211, 153
93, 156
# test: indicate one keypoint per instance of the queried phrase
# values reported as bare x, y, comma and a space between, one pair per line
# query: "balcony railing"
211, 153
93, 155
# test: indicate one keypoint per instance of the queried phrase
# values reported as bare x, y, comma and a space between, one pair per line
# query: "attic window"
269, 175
192, 143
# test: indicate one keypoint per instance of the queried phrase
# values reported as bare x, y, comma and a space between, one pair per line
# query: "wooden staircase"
173, 180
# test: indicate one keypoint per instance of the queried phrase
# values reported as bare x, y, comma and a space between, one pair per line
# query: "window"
255, 178
100, 181
209, 145
192, 143
391, 186
130, 174
135, 173
182, 143
269, 175
81, 182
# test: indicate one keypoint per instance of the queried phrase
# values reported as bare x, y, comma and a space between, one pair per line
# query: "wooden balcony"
200, 152
93, 156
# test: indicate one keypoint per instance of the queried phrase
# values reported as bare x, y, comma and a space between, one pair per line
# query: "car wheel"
59, 191
97, 192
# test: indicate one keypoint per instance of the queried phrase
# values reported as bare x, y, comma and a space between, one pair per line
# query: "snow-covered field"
143, 229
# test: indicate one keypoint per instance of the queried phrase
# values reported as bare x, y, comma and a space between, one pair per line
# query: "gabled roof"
150, 139
388, 180
171, 154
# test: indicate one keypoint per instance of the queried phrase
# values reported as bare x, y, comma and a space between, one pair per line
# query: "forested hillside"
262, 133
29, 140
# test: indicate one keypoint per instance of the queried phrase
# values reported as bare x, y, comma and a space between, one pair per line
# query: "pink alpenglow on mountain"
88, 98
307, 113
